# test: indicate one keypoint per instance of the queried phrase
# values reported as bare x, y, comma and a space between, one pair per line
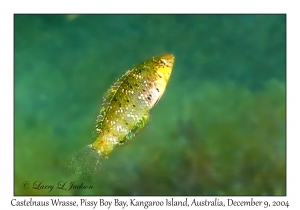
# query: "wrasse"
126, 105
124, 112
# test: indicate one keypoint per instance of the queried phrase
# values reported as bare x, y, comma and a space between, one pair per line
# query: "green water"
219, 129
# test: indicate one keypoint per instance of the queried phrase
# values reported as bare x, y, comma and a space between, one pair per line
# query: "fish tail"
86, 162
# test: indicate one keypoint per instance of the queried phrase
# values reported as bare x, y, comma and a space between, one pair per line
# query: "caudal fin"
86, 162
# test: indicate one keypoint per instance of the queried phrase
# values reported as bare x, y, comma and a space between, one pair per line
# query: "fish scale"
126, 105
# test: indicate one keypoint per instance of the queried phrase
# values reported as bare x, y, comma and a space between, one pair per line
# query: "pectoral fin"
136, 129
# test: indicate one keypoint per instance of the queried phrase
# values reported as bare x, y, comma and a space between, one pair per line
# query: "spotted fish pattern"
126, 105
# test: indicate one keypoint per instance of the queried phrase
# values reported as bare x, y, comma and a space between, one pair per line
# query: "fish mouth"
169, 58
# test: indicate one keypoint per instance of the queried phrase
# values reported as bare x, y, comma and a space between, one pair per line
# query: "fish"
127, 103
124, 112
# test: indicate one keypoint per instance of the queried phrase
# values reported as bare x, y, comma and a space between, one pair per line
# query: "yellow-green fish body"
126, 106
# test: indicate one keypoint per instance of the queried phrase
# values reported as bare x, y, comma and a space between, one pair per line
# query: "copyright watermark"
26, 185
61, 185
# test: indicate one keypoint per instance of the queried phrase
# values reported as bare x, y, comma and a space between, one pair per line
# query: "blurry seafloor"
219, 129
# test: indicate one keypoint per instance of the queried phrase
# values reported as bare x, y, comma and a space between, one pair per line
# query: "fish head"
164, 66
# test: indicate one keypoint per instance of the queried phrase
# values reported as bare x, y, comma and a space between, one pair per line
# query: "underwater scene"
218, 129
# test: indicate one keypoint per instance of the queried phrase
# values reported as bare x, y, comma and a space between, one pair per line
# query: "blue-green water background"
219, 128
